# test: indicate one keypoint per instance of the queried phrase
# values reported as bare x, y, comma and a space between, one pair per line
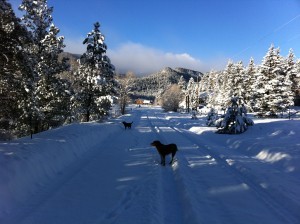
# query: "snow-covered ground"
95, 173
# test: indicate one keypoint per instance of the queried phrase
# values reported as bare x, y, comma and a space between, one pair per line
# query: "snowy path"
231, 200
121, 181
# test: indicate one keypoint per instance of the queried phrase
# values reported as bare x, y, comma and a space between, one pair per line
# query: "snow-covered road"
120, 179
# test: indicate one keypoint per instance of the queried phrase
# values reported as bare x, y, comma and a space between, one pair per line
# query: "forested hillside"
154, 84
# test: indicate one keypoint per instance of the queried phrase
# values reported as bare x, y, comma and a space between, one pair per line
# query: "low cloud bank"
144, 60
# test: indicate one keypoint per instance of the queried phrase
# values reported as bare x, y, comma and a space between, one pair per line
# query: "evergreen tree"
235, 120
53, 92
203, 89
272, 85
212, 117
297, 80
194, 97
181, 83
14, 64
226, 91
250, 77
192, 94
48, 94
204, 82
94, 78
233, 83
238, 82
291, 71
211, 86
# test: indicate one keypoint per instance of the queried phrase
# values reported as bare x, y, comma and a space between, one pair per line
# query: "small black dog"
127, 125
164, 150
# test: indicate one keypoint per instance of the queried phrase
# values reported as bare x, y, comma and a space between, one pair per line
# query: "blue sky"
145, 36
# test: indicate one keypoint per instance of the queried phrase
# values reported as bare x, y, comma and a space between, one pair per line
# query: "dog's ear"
154, 142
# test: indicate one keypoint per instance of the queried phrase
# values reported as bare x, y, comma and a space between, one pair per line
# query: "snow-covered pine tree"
210, 86
231, 84
203, 92
212, 117
192, 93
13, 63
94, 79
238, 87
53, 92
204, 82
182, 83
195, 96
291, 71
49, 93
250, 76
235, 120
297, 79
283, 98
226, 91
273, 89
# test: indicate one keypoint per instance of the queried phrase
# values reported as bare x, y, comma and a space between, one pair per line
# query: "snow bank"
26, 164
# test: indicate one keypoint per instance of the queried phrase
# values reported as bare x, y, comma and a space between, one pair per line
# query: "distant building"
143, 102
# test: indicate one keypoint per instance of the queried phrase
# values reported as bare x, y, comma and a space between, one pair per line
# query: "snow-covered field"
95, 173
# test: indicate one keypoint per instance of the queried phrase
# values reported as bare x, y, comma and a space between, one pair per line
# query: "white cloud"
145, 60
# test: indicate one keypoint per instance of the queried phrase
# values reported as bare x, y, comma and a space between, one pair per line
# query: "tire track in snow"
135, 201
248, 181
247, 178
188, 188
176, 201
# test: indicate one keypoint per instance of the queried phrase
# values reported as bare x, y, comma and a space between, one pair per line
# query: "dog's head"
155, 143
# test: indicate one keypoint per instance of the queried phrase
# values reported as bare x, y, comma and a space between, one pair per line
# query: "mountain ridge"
152, 85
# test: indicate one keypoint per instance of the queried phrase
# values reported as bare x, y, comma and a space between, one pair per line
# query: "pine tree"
94, 78
211, 86
226, 91
238, 82
291, 72
53, 93
297, 80
272, 85
14, 64
192, 94
203, 89
233, 83
250, 73
182, 83
212, 117
235, 120
48, 93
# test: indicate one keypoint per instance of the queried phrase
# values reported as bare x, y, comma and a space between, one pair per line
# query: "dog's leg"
172, 160
163, 160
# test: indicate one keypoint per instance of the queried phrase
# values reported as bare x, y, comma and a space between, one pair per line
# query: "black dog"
164, 150
127, 125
